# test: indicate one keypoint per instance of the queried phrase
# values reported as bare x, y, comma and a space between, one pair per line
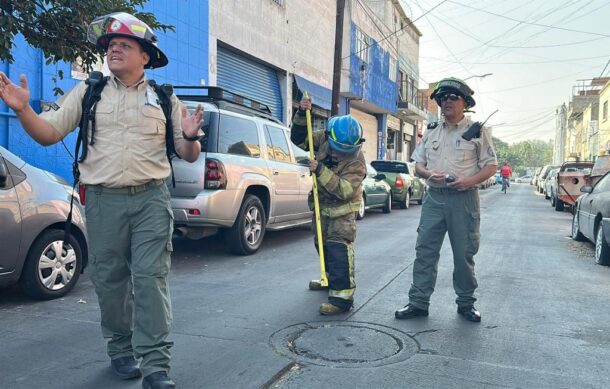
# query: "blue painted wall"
378, 88
186, 48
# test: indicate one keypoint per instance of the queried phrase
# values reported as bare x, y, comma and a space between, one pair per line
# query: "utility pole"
337, 63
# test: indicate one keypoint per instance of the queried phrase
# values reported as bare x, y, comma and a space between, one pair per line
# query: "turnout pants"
338, 235
130, 232
446, 210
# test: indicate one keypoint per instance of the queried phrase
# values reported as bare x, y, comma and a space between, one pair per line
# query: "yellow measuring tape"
316, 202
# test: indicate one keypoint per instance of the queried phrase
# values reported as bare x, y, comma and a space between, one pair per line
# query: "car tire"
361, 210
406, 202
559, 204
602, 251
546, 195
576, 234
248, 231
50, 270
387, 208
553, 200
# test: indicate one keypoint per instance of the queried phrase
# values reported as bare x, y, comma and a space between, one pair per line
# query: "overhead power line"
397, 31
530, 23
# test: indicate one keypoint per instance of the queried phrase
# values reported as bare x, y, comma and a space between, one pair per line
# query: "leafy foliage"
524, 155
59, 27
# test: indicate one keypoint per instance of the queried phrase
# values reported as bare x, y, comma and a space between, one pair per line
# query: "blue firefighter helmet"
344, 134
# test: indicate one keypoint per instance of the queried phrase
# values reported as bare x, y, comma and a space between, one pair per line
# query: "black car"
591, 218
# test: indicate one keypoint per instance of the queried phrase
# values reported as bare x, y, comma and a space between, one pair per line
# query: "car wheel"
558, 205
602, 251
576, 234
387, 208
553, 201
361, 209
51, 269
248, 231
546, 195
406, 202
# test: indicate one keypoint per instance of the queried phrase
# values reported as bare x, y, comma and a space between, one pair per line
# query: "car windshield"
390, 167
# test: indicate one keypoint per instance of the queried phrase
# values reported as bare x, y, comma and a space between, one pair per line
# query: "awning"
322, 97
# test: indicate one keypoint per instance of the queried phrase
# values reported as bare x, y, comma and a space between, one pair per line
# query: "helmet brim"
158, 59
441, 91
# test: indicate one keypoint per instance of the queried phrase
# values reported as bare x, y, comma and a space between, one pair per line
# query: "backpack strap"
164, 93
95, 85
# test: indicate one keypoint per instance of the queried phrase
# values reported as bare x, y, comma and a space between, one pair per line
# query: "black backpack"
95, 85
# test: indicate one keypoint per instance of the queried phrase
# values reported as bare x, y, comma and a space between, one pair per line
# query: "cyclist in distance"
506, 173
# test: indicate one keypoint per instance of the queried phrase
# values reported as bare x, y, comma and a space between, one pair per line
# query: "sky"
535, 50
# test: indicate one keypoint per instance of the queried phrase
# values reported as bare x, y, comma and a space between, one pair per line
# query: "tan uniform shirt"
129, 146
442, 148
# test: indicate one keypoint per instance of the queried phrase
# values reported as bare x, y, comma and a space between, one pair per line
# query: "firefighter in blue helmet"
340, 169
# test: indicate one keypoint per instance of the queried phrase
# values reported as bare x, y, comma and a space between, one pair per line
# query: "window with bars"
392, 70
362, 45
605, 111
279, 2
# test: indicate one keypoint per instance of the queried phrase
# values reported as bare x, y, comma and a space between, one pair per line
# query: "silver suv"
248, 178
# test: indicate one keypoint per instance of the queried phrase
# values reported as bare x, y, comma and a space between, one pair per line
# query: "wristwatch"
190, 138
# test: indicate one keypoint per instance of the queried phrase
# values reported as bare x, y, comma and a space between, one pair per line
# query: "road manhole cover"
344, 344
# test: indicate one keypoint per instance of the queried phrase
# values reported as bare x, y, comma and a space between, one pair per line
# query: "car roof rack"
228, 100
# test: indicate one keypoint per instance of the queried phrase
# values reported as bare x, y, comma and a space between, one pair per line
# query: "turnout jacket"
339, 175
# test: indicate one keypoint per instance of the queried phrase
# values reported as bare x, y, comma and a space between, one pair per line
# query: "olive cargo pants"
458, 213
130, 245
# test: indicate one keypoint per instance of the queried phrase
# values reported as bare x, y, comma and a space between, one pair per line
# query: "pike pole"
316, 202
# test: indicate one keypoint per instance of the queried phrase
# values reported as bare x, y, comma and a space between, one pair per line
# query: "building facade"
271, 51
186, 49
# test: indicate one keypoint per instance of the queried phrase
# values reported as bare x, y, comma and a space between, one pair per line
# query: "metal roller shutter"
251, 79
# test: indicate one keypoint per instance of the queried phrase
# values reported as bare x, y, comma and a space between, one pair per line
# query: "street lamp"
478, 76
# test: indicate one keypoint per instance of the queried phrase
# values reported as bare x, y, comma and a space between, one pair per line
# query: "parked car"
247, 179
571, 177
542, 176
550, 185
524, 179
34, 205
420, 184
591, 219
401, 177
376, 193
535, 176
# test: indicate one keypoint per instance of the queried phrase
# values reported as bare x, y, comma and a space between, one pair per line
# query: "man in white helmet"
129, 217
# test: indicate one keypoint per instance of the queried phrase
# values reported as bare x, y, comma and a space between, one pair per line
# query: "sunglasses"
449, 96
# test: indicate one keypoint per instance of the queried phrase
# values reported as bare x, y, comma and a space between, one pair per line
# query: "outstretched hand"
17, 98
192, 123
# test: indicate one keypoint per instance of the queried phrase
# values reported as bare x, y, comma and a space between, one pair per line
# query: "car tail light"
81, 193
195, 212
399, 182
215, 177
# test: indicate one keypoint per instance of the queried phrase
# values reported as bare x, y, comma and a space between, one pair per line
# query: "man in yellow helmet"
455, 155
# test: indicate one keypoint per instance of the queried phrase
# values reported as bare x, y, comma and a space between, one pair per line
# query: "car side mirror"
379, 177
586, 189
3, 174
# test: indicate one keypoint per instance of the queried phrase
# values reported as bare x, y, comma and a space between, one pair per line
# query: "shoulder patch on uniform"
491, 152
432, 125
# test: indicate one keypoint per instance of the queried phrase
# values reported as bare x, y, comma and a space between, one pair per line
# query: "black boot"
158, 380
409, 312
125, 367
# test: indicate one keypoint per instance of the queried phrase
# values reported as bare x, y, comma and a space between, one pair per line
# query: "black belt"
448, 190
128, 189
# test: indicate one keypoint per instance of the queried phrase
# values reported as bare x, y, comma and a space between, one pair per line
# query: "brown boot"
317, 285
330, 309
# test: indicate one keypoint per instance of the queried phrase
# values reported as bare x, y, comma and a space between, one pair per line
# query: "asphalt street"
250, 322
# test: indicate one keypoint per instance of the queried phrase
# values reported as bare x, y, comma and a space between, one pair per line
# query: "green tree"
526, 155
58, 27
